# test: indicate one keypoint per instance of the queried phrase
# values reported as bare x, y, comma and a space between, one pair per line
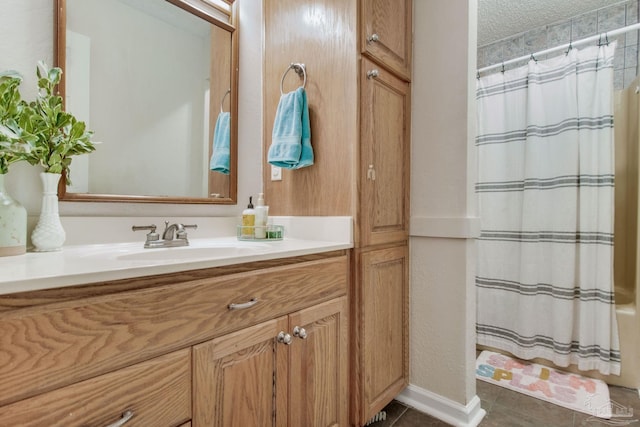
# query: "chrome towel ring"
223, 98
300, 69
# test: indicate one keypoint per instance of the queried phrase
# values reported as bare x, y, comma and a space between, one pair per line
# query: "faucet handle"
181, 234
151, 235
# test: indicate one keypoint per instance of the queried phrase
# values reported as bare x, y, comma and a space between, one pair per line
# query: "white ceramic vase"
13, 224
48, 235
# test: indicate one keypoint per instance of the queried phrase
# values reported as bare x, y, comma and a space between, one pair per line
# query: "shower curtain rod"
565, 46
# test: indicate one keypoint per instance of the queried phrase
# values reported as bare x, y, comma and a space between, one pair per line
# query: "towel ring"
300, 69
223, 98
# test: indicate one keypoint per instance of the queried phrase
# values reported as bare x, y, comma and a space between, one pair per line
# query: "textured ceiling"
498, 19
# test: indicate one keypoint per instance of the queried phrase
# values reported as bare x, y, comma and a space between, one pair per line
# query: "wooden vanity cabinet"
176, 351
290, 371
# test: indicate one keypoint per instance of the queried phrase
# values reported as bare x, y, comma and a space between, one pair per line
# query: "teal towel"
291, 138
221, 141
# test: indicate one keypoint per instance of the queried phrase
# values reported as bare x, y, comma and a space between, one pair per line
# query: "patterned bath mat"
571, 391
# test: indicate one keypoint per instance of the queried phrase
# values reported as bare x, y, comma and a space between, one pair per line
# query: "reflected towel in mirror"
221, 138
291, 138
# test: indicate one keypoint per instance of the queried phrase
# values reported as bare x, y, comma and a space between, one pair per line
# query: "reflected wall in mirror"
151, 78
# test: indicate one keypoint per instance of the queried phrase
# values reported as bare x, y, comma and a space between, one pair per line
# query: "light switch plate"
276, 173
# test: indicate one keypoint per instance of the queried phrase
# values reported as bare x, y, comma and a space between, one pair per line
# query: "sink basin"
201, 250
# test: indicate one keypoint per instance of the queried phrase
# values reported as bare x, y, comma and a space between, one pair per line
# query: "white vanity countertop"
85, 263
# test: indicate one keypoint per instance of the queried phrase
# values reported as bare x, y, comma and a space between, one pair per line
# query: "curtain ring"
569, 48
606, 40
533, 57
223, 98
300, 69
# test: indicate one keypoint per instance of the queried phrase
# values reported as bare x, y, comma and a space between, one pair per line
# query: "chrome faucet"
177, 228
167, 241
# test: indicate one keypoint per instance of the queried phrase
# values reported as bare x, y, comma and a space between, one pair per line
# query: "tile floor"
506, 408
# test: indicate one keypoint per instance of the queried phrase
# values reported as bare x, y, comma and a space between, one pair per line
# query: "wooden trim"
59, 47
103, 198
235, 88
205, 11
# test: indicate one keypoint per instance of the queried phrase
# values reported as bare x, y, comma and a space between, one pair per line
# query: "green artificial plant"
55, 135
13, 146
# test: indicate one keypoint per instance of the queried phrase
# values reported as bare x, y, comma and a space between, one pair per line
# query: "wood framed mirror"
151, 78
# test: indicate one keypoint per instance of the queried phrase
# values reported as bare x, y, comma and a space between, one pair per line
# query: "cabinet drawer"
156, 392
47, 347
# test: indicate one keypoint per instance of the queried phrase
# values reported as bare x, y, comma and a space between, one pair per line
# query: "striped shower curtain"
545, 189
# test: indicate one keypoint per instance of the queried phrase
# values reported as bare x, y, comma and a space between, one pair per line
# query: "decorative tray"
254, 233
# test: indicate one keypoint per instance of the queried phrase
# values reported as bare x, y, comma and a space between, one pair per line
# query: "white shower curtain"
545, 188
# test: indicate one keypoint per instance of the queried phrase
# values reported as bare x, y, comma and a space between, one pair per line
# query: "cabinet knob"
300, 332
373, 38
126, 416
284, 338
371, 74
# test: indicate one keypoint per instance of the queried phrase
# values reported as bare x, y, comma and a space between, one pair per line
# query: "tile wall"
588, 24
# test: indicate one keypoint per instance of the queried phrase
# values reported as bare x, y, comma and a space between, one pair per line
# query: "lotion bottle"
248, 220
262, 213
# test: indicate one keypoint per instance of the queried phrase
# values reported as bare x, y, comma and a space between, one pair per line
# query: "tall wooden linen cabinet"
357, 56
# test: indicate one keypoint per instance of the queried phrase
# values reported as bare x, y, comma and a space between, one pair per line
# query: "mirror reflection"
151, 78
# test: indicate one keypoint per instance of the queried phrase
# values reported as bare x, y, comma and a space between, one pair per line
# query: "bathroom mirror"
150, 78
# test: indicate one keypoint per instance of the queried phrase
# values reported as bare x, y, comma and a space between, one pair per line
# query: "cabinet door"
385, 33
318, 370
240, 379
383, 334
384, 156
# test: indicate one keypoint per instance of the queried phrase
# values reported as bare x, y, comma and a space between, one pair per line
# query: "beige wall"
27, 36
442, 199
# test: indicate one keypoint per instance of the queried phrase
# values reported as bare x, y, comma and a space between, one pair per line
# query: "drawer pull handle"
284, 338
244, 305
373, 38
300, 332
126, 416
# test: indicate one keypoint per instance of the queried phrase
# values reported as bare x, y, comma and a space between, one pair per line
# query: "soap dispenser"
262, 213
248, 220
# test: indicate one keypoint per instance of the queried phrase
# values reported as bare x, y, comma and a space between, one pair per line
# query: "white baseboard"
442, 408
